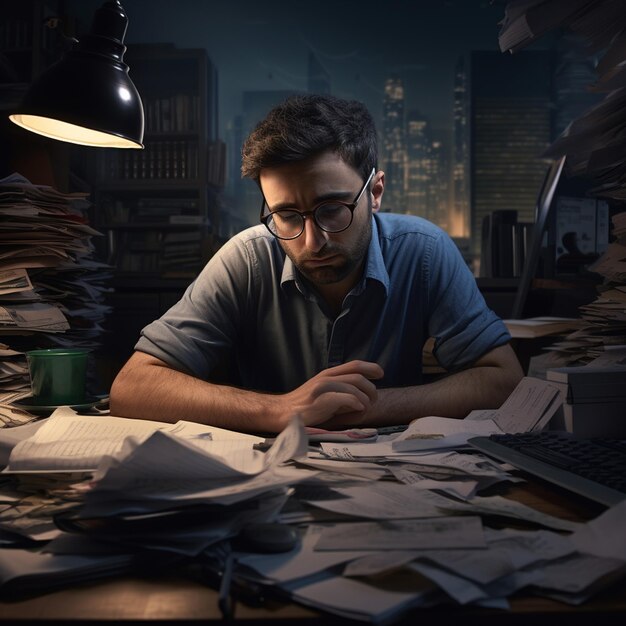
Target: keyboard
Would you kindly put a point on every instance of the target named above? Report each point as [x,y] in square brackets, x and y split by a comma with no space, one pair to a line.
[594,468]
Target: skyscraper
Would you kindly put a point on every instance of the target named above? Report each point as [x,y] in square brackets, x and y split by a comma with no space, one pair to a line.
[510,127]
[394,144]
[459,221]
[417,165]
[437,184]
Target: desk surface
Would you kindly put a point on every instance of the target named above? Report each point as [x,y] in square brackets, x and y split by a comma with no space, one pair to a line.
[178,597]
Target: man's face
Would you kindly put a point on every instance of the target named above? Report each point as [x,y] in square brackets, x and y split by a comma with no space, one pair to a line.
[323,258]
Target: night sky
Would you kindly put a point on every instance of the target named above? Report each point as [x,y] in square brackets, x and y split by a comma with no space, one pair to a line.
[264,45]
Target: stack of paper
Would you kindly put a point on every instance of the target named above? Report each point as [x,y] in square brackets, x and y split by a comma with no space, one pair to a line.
[51,290]
[526,20]
[14,377]
[594,142]
[178,487]
[602,339]
[540,326]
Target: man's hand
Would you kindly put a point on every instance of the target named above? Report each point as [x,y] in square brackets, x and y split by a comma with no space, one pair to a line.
[346,388]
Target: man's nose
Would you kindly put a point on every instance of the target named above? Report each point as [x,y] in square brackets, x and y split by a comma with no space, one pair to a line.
[314,237]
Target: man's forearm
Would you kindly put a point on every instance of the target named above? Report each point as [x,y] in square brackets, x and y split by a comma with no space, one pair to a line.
[453,396]
[146,390]
[337,397]
[486,385]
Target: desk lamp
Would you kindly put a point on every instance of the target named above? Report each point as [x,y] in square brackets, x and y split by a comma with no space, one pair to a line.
[87,97]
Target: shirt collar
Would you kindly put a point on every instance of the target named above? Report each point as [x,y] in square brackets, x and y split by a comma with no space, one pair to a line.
[374,267]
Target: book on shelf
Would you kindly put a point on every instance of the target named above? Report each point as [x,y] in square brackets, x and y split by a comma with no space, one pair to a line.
[189,220]
[177,114]
[521,245]
[505,242]
[184,236]
[144,262]
[166,160]
[168,211]
[167,203]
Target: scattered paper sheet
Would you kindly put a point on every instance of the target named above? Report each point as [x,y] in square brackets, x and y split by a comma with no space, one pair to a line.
[577,573]
[604,536]
[356,599]
[382,501]
[497,505]
[380,563]
[299,564]
[14,281]
[438,533]
[68,441]
[530,407]
[433,433]
[23,571]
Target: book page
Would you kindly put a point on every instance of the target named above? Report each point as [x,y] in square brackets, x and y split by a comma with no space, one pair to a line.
[68,441]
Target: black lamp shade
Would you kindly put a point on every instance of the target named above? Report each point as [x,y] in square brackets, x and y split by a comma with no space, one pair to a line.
[88,97]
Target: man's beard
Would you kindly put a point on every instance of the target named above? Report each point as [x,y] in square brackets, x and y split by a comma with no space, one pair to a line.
[350,259]
[328,274]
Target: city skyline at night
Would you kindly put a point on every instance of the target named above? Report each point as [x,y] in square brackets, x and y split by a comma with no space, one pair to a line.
[410,65]
[359,44]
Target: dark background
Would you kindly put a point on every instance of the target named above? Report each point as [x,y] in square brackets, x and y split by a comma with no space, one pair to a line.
[264,45]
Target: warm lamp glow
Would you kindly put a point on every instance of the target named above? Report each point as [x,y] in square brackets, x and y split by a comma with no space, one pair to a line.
[72,133]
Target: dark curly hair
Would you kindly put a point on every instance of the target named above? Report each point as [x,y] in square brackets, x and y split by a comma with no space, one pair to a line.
[305,125]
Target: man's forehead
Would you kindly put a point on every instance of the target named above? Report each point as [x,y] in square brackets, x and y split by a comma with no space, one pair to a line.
[325,171]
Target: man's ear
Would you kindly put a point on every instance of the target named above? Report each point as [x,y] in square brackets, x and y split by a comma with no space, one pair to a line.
[377,188]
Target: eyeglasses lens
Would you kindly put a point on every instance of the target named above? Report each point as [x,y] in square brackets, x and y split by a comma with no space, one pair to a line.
[331,218]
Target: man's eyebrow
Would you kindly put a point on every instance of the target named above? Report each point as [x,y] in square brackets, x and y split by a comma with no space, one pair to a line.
[331,195]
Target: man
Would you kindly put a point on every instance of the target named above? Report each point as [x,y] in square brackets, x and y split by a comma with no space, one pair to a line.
[322,310]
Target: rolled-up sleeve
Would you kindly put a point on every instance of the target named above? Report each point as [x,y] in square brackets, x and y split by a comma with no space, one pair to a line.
[199,333]
[463,327]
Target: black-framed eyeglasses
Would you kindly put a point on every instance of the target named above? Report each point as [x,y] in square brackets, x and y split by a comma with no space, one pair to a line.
[331,216]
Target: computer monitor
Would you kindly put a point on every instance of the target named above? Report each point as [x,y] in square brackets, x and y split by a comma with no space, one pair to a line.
[542,212]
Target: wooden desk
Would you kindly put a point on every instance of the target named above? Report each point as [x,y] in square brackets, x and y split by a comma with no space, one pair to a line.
[179,597]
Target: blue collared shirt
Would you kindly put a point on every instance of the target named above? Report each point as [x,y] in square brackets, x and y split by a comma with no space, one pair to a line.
[250,320]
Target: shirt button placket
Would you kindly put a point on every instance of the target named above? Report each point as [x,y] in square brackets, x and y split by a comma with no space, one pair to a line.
[336,346]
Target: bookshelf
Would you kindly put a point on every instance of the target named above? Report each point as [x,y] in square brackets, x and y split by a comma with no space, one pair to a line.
[28,47]
[159,207]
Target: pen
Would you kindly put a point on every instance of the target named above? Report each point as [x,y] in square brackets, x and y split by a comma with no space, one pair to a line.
[264,446]
[224,600]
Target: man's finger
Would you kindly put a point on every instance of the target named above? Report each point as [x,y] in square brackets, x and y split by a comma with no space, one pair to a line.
[365,368]
[330,404]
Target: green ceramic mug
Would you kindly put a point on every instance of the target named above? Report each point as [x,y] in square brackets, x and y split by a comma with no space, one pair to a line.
[58,375]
